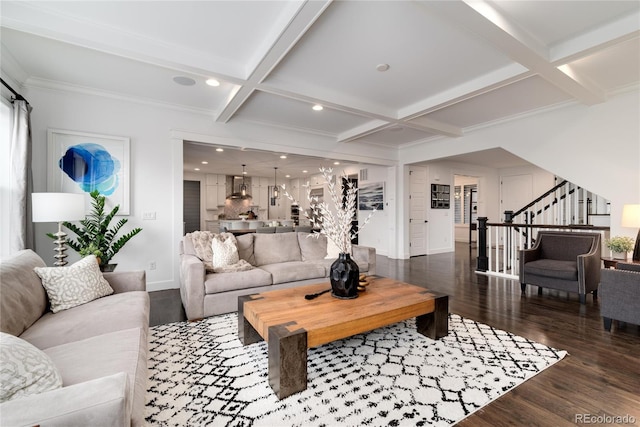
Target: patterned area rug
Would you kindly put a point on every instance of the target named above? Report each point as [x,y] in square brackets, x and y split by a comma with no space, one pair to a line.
[200,374]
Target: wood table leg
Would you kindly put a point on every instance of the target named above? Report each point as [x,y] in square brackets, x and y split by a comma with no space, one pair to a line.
[435,325]
[246,332]
[287,360]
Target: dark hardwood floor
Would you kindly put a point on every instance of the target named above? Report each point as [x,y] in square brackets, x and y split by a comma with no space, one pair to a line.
[600,377]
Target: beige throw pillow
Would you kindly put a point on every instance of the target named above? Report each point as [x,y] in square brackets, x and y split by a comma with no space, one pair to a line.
[77,284]
[225,251]
[24,369]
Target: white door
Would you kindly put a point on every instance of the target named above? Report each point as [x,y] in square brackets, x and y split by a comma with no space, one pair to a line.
[417,212]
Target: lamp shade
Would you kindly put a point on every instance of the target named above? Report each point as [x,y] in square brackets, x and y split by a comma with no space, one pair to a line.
[631,216]
[57,207]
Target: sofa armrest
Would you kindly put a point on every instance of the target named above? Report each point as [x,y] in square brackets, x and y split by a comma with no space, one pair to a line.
[127,281]
[367,254]
[527,255]
[100,402]
[192,275]
[589,266]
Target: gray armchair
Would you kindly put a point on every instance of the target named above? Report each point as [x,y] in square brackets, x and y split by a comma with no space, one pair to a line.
[620,294]
[566,261]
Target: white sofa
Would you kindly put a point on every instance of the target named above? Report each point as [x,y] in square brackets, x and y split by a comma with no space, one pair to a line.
[281,260]
[99,349]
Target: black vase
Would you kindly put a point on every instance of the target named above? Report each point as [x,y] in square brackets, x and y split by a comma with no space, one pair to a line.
[344,277]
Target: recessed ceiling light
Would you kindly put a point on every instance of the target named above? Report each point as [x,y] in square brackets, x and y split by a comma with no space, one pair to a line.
[184,80]
[196,169]
[213,82]
[317,107]
[283,157]
[382,67]
[304,171]
[220,149]
[287,176]
[336,163]
[204,162]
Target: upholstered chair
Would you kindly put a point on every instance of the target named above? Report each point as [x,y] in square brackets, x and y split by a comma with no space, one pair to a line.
[620,294]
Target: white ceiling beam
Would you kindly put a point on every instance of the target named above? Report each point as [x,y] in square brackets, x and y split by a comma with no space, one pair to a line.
[362,130]
[484,20]
[618,31]
[306,15]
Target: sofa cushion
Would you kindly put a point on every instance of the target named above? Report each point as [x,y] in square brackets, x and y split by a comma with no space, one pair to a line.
[312,246]
[223,282]
[116,312]
[245,248]
[564,270]
[272,248]
[292,271]
[24,300]
[104,355]
[24,369]
[80,283]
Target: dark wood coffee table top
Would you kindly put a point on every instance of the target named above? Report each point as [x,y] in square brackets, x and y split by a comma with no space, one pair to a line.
[327,319]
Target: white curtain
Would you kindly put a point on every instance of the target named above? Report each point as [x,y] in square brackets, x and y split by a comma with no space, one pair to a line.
[21,227]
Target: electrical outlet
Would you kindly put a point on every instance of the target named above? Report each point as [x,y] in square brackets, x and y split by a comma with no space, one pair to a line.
[148,215]
[152,265]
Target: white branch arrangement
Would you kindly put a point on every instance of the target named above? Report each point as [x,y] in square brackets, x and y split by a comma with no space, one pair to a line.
[336,225]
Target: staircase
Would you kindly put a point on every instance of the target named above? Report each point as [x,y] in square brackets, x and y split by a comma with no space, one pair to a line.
[566,207]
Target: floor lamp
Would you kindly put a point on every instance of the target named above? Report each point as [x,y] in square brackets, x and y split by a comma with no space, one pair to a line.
[58,207]
[631,219]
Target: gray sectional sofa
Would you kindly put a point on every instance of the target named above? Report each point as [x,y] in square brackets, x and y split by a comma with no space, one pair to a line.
[281,260]
[99,349]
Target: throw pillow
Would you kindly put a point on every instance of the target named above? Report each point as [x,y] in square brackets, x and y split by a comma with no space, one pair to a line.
[225,251]
[77,284]
[332,250]
[24,369]
[201,241]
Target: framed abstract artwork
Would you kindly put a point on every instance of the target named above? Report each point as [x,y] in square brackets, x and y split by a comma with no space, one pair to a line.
[81,162]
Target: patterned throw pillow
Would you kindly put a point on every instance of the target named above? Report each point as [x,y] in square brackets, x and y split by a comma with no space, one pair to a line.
[24,369]
[202,245]
[77,284]
[225,251]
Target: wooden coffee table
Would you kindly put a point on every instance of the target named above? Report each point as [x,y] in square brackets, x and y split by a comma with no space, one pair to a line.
[291,324]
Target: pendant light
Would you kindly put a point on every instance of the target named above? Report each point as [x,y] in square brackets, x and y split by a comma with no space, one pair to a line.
[243,187]
[276,193]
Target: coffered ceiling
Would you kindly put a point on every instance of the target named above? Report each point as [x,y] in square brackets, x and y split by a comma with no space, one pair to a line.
[453,66]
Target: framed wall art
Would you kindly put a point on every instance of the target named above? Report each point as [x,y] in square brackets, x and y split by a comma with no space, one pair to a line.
[81,162]
[371,196]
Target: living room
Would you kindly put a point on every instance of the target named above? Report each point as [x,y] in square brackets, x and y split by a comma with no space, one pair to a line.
[94,74]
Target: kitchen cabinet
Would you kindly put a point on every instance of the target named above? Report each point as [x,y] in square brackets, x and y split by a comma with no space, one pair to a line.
[260,192]
[216,191]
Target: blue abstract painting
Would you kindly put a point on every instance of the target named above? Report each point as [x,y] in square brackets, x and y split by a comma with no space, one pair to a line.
[92,167]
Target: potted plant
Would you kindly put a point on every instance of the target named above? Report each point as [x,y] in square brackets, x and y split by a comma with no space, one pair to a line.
[336,225]
[94,235]
[620,246]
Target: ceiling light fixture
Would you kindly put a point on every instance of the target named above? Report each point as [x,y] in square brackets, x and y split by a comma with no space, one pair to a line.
[287,176]
[382,67]
[276,193]
[243,187]
[317,107]
[219,150]
[184,80]
[304,171]
[283,157]
[213,82]
[336,163]
[204,162]
[196,169]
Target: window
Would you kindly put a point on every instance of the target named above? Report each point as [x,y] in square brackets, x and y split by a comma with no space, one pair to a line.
[465,203]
